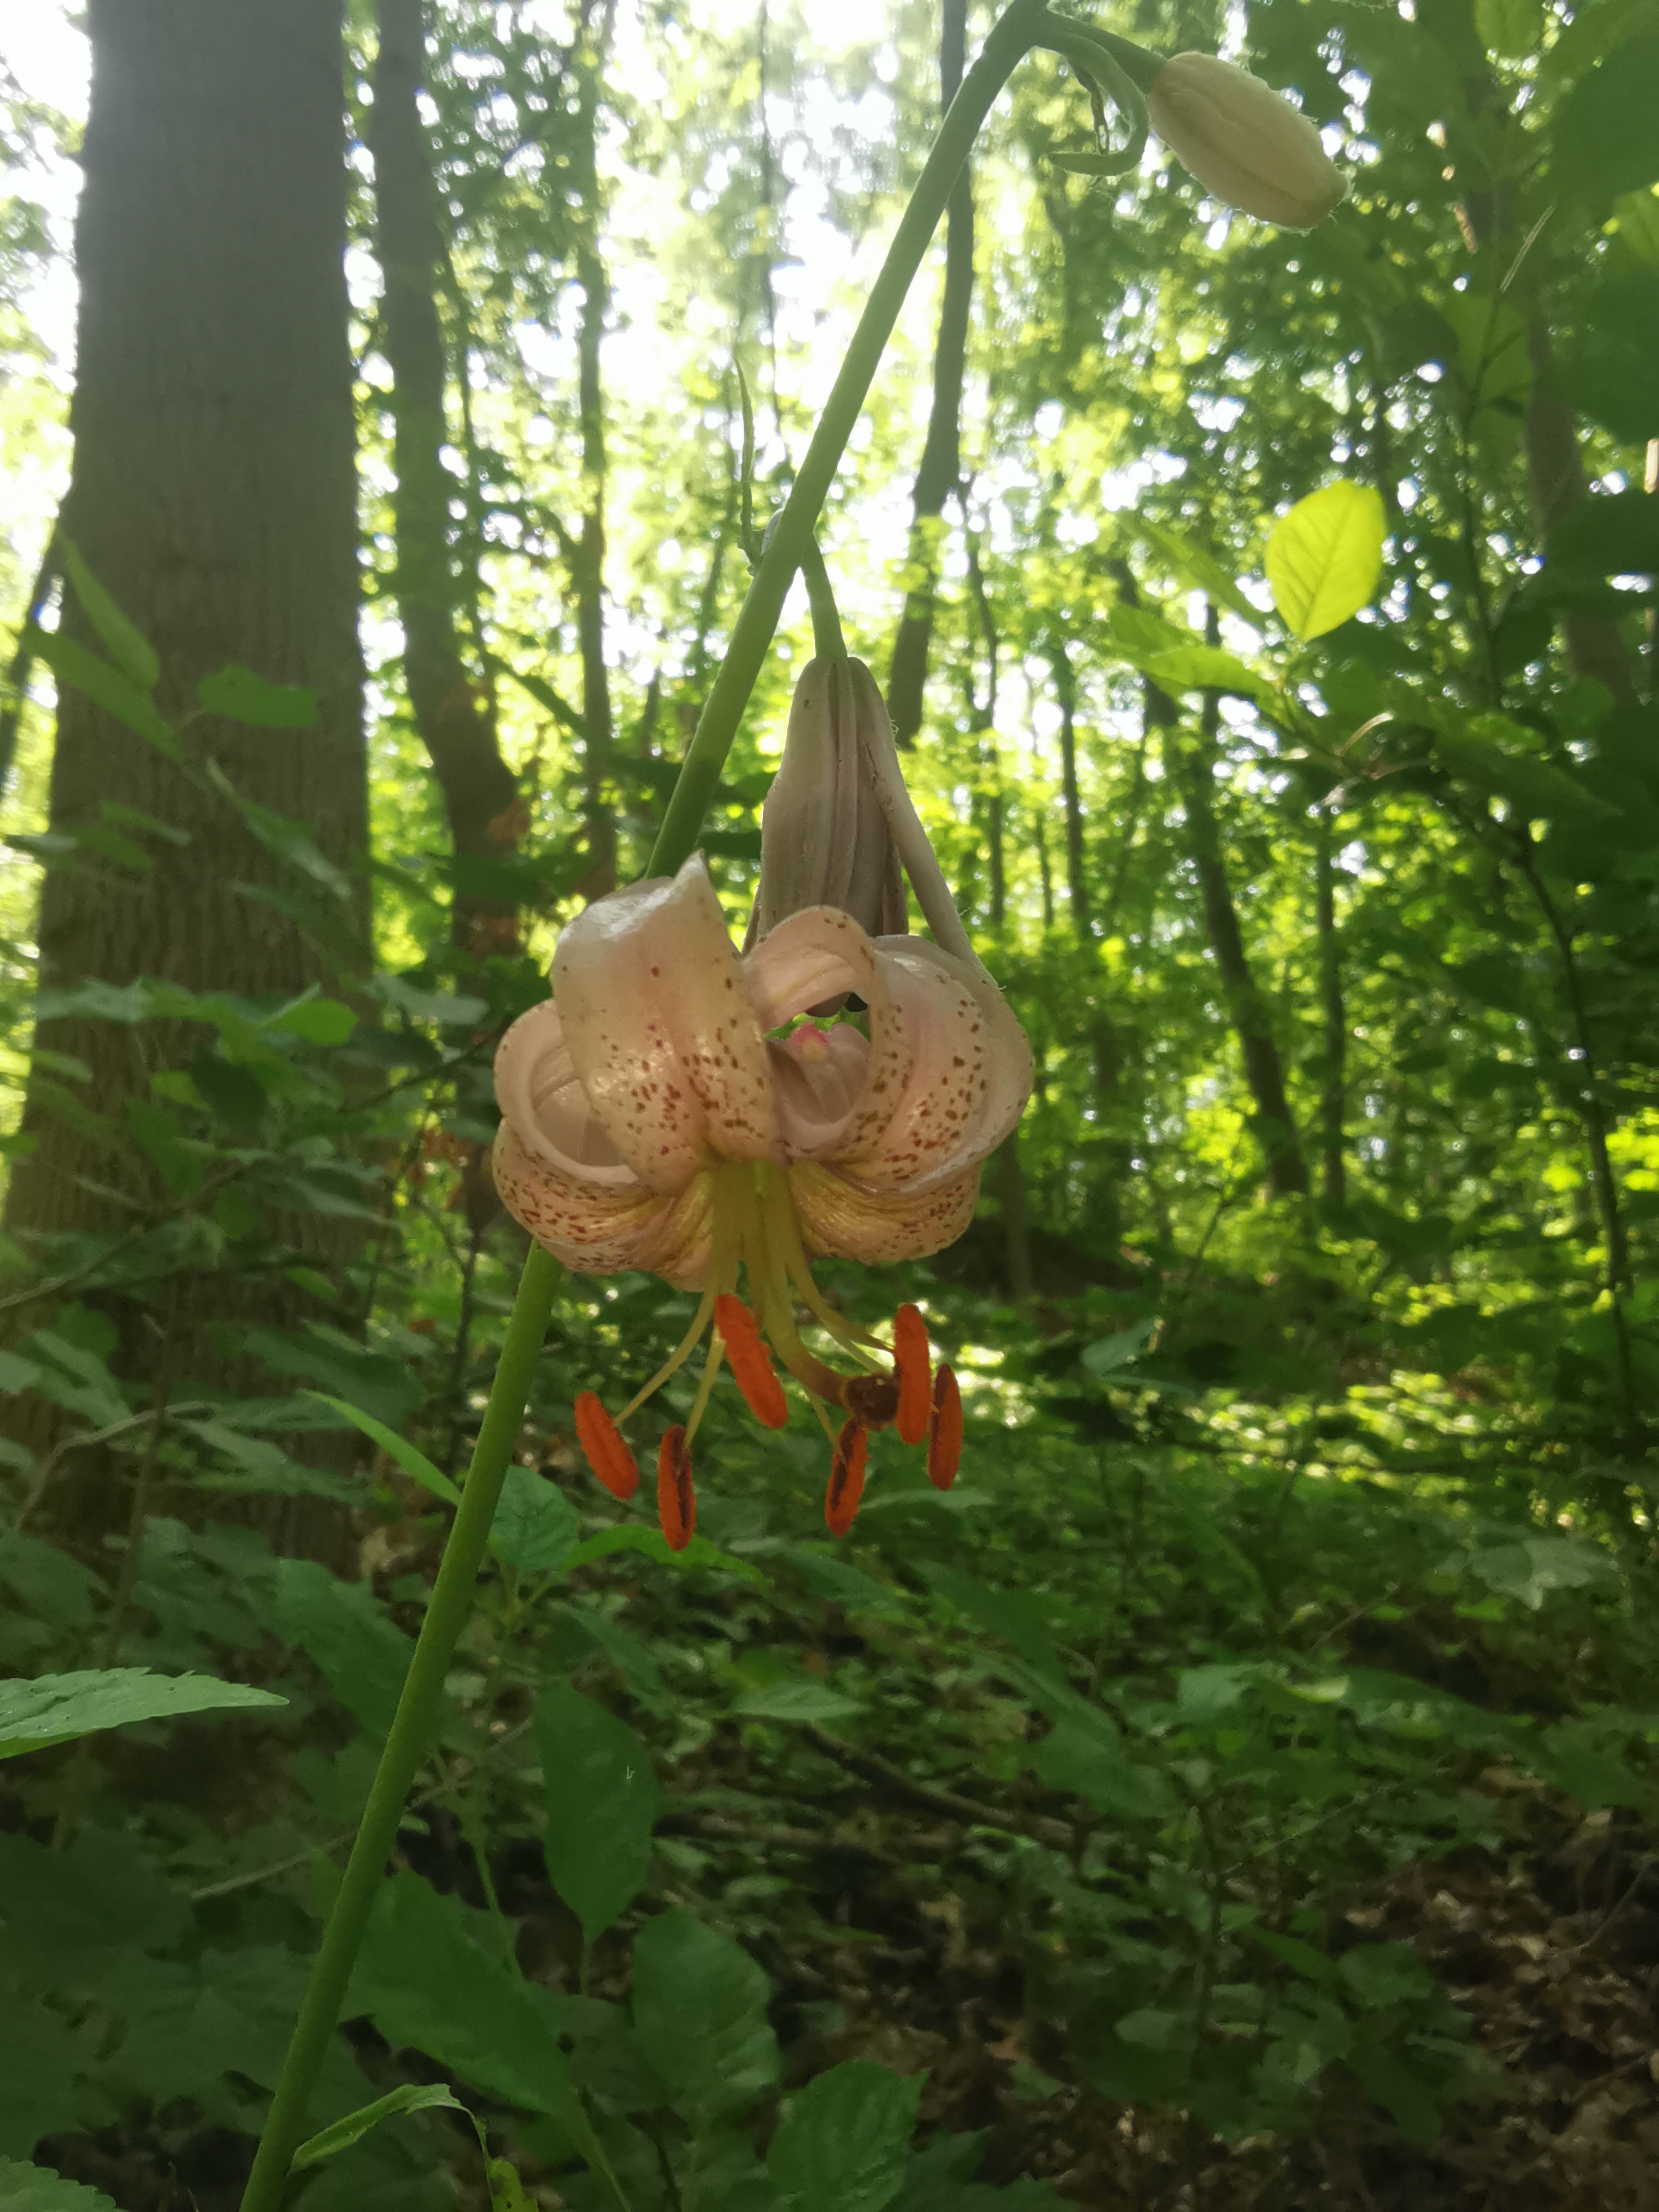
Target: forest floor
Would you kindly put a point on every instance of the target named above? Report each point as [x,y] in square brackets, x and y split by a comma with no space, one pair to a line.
[1554,1954]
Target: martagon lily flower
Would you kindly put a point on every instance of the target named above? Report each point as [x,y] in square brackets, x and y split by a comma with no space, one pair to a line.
[673,1107]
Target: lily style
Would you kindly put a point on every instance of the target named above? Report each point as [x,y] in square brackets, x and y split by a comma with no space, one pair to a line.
[675,1107]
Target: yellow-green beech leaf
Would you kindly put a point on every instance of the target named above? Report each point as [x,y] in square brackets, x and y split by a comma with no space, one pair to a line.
[1324,557]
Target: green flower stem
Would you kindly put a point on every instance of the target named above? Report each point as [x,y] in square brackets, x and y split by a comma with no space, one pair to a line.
[1062,33]
[410,1738]
[828,643]
[1015,33]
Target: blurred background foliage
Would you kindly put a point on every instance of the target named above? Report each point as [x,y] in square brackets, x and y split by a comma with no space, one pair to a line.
[1239,1788]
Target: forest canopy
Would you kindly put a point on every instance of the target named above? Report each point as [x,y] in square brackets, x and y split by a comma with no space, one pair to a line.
[993,1546]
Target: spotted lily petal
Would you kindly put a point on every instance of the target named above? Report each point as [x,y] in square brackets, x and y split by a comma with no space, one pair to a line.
[660,1031]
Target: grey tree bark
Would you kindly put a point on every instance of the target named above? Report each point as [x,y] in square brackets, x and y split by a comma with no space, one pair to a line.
[214,495]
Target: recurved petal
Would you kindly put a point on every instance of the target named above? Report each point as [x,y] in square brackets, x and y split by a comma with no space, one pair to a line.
[839,1215]
[968,1073]
[660,1031]
[549,1111]
[812,956]
[599,1231]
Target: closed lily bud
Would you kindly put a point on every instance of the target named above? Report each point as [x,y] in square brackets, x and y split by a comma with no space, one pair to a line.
[824,835]
[1244,144]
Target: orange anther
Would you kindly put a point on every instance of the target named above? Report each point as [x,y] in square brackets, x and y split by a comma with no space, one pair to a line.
[910,1362]
[840,1500]
[749,1362]
[603,1448]
[676,1502]
[944,1431]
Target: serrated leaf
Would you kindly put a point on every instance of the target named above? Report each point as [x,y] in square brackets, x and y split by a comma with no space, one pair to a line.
[241,696]
[1325,556]
[131,650]
[536,1526]
[36,2189]
[700,2010]
[53,1708]
[602,1803]
[844,2142]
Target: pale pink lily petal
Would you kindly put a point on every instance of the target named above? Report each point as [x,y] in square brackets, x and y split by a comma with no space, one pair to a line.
[812,956]
[598,1230]
[660,1029]
[819,1075]
[541,1096]
[838,1215]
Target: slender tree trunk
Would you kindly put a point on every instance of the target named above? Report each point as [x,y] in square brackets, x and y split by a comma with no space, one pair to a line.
[940,469]
[1016,1236]
[215,497]
[1193,757]
[1333,1094]
[593,45]
[1077,872]
[454,714]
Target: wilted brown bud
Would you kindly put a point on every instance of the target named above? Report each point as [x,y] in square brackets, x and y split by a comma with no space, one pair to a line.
[825,835]
[1244,144]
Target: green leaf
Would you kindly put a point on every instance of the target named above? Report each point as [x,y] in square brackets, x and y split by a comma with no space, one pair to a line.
[343,1628]
[1194,566]
[1383,1974]
[319,1021]
[412,2097]
[1605,143]
[241,696]
[1097,1770]
[844,2142]
[34,2189]
[180,1161]
[55,1707]
[536,1526]
[1325,556]
[424,1979]
[1106,1355]
[1608,534]
[1207,668]
[602,1803]
[131,650]
[1509,29]
[803,1700]
[699,2007]
[107,687]
[634,1536]
[414,1462]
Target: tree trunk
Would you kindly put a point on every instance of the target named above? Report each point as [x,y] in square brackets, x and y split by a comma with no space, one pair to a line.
[588,564]
[454,714]
[1333,1094]
[1193,758]
[1077,874]
[940,468]
[215,497]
